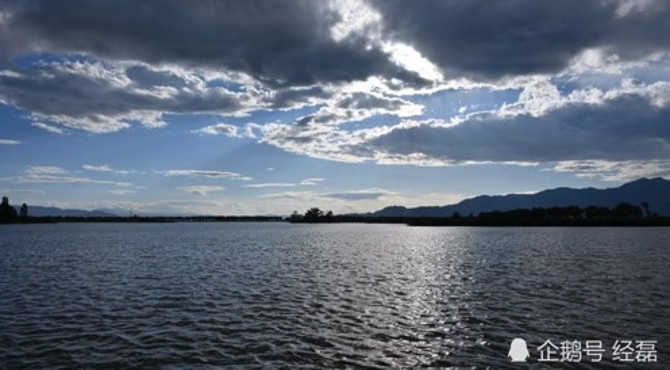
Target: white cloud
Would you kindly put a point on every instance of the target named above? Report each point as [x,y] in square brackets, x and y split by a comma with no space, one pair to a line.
[107,97]
[406,56]
[212,174]
[22,191]
[49,128]
[269,185]
[617,171]
[100,168]
[218,129]
[543,125]
[122,192]
[311,181]
[627,7]
[291,195]
[356,19]
[201,190]
[104,168]
[538,97]
[9,142]
[350,195]
[52,174]
[248,131]
[353,106]
[45,170]
[350,201]
[356,195]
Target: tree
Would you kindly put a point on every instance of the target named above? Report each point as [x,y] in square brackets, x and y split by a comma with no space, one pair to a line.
[313,214]
[23,213]
[295,216]
[7,212]
[627,211]
[597,213]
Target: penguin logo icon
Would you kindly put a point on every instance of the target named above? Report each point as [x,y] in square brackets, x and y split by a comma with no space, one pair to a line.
[518,350]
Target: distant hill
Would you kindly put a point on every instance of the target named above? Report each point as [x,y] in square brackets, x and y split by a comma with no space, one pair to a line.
[38,211]
[654,191]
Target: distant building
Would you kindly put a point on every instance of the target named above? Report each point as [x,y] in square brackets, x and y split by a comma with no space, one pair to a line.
[23,213]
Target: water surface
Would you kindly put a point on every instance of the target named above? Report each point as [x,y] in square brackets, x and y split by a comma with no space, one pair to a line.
[275,295]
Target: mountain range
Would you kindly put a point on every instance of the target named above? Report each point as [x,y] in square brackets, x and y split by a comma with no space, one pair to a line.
[655,191]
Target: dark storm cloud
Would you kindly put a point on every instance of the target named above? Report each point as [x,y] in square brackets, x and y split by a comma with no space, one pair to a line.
[621,129]
[486,39]
[289,42]
[284,42]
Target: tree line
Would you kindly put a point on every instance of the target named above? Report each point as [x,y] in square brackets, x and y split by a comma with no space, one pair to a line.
[623,214]
[9,215]
[313,215]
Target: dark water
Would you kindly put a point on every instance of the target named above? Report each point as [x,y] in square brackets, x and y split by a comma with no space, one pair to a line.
[323,296]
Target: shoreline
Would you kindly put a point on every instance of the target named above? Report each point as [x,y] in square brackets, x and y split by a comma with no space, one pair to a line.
[409,221]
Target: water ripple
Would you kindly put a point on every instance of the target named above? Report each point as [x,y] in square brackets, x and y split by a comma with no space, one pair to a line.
[320,296]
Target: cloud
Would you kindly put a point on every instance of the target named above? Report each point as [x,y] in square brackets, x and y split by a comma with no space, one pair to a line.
[107,97]
[201,190]
[356,74]
[218,129]
[357,106]
[265,204]
[100,168]
[352,195]
[372,194]
[356,195]
[305,182]
[491,40]
[122,192]
[626,127]
[103,97]
[269,185]
[618,171]
[311,181]
[45,170]
[104,168]
[22,191]
[232,35]
[49,128]
[290,195]
[52,174]
[9,142]
[628,122]
[297,97]
[211,174]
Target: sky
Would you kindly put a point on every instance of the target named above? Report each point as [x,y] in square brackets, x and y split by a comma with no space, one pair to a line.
[265,107]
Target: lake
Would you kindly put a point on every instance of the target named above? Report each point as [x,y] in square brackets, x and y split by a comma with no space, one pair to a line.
[277,295]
